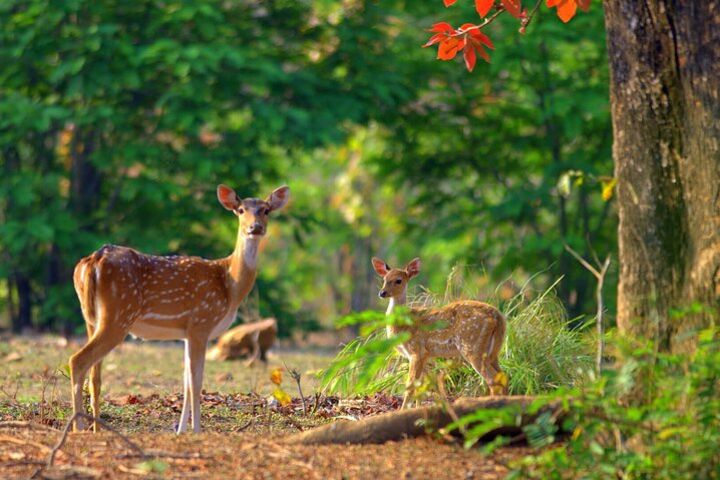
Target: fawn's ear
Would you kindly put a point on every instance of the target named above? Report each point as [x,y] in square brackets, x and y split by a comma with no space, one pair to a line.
[413,268]
[227,197]
[279,197]
[380,266]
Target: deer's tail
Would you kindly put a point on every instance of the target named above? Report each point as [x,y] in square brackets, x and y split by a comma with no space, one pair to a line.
[85,280]
[498,337]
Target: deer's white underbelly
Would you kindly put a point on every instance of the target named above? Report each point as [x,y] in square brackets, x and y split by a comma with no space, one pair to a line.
[147,331]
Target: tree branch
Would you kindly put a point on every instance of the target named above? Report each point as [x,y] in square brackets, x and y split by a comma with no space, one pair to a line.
[487,22]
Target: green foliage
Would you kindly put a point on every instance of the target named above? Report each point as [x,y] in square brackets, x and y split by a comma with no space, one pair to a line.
[652,416]
[117,120]
[369,363]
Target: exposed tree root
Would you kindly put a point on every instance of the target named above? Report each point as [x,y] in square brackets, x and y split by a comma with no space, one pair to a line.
[417,421]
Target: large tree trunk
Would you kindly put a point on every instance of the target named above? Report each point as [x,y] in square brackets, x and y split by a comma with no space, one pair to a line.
[665,99]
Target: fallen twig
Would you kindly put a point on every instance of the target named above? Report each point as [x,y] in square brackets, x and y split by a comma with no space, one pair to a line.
[243,427]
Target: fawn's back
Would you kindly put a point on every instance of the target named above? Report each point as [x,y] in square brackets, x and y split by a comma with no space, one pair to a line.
[454,328]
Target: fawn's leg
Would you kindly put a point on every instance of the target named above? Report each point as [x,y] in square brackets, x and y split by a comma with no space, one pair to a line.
[478,360]
[415,370]
[102,342]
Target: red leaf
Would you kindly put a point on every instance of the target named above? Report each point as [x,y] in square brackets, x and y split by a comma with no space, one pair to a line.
[478,46]
[566,9]
[481,51]
[441,27]
[482,38]
[449,48]
[513,7]
[470,58]
[483,6]
[435,39]
[449,2]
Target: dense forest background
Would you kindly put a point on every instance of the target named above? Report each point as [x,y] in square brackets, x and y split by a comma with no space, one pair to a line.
[118,120]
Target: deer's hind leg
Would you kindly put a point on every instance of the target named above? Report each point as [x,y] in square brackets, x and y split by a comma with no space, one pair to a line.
[476,352]
[95,382]
[104,339]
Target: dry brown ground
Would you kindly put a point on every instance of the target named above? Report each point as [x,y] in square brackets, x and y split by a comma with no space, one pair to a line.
[243,436]
[241,455]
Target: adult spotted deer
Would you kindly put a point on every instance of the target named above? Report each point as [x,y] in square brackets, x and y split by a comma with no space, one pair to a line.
[124,291]
[469,329]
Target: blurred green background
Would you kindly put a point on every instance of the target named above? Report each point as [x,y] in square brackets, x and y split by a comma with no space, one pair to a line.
[118,120]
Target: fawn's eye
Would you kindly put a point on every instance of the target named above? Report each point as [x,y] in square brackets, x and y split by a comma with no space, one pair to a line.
[267,211]
[398,281]
[240,211]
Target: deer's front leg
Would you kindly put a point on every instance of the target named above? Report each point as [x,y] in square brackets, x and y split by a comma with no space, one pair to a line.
[185,415]
[197,345]
[415,370]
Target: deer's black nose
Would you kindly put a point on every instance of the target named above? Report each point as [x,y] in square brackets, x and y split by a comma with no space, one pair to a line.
[256,229]
[382,294]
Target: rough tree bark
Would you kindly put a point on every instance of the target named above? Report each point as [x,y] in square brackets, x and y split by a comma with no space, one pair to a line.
[665,100]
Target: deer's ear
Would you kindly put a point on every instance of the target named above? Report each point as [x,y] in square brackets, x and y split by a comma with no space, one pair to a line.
[380,266]
[279,197]
[227,197]
[413,268]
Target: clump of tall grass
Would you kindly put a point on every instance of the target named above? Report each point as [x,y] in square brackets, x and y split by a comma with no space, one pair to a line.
[540,352]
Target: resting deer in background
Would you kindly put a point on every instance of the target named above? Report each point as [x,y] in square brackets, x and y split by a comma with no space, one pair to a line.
[469,329]
[124,291]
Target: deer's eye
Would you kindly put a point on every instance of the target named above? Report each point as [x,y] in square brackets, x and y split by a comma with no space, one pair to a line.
[267,211]
[398,281]
[240,211]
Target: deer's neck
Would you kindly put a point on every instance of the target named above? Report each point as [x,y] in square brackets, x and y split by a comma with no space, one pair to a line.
[394,301]
[243,267]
